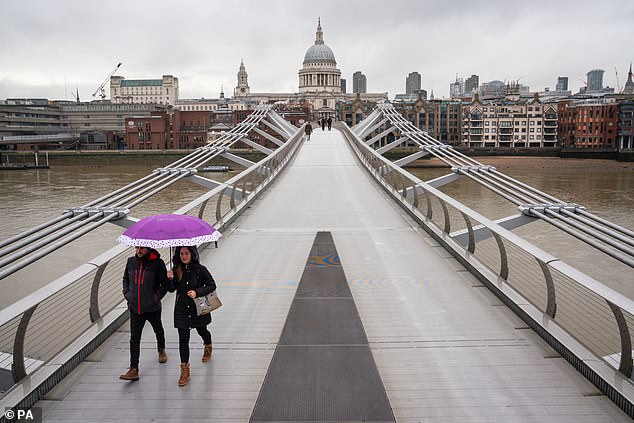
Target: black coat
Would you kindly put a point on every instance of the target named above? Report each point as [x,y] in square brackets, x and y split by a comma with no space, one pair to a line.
[145,282]
[198,278]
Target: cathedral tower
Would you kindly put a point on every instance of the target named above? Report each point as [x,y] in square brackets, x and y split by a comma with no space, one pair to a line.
[242,89]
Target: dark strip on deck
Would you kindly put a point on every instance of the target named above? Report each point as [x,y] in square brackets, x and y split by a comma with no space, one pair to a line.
[322,369]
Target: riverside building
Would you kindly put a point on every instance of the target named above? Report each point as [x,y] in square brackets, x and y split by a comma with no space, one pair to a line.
[509,123]
[144,91]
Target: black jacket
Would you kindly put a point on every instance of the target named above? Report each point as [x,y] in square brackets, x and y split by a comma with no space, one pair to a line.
[145,282]
[198,278]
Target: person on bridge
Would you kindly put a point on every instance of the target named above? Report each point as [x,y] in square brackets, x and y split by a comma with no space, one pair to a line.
[329,123]
[190,279]
[145,283]
[323,123]
[308,129]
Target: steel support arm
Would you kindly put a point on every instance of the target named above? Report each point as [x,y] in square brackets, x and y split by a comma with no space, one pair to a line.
[257,146]
[481,232]
[391,145]
[381,135]
[360,127]
[283,123]
[269,137]
[443,180]
[281,132]
[237,159]
[372,129]
[125,222]
[405,160]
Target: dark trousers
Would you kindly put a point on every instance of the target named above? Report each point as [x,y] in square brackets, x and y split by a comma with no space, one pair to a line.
[183,341]
[137,321]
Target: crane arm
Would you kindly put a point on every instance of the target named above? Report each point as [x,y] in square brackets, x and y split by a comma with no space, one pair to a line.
[105,81]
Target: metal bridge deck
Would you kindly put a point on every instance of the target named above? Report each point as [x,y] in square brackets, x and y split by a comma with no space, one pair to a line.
[446,349]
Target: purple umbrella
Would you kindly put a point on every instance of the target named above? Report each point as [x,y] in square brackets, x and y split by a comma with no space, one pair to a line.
[169,230]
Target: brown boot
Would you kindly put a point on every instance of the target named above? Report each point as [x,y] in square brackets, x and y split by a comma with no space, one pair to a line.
[131,374]
[162,356]
[207,353]
[182,381]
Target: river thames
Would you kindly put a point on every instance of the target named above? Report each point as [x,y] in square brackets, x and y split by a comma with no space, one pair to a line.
[31,197]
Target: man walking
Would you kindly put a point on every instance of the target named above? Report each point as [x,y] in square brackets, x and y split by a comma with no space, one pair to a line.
[329,123]
[308,129]
[145,283]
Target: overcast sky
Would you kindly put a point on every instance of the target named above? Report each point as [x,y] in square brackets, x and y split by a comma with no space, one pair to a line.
[48,48]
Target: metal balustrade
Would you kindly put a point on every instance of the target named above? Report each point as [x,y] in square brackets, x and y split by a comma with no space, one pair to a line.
[46,334]
[27,247]
[588,323]
[613,240]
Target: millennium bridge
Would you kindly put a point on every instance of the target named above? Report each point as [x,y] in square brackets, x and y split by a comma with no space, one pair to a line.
[353,291]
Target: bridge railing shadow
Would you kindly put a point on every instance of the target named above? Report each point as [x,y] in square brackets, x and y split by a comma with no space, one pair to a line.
[48,333]
[588,323]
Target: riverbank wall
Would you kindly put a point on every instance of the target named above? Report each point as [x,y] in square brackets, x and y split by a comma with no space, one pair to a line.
[114,158]
[164,157]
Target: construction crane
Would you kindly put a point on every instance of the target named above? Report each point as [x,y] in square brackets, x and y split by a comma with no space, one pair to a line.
[103,84]
[618,86]
[76,96]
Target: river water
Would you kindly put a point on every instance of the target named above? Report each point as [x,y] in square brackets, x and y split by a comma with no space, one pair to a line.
[31,197]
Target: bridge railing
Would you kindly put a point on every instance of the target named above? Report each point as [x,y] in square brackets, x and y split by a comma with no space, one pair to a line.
[588,323]
[48,333]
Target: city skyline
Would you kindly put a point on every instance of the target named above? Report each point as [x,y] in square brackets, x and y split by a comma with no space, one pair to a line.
[69,44]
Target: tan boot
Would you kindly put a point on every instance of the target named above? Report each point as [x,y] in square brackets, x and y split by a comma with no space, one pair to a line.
[131,374]
[207,353]
[184,374]
[162,356]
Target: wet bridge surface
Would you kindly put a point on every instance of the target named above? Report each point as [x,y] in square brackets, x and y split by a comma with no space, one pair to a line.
[411,337]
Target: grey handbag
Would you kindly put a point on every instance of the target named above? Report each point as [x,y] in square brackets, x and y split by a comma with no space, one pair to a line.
[207,303]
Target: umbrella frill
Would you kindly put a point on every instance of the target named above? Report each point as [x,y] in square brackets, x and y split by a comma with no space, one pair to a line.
[169,230]
[164,243]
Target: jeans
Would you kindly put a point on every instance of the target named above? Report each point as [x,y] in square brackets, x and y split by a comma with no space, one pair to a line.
[137,321]
[183,341]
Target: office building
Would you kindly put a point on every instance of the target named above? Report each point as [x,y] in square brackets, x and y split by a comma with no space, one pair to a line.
[359,83]
[595,80]
[471,85]
[562,83]
[413,83]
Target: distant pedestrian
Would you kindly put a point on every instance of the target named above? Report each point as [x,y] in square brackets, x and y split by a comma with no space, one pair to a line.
[145,283]
[323,124]
[190,279]
[329,123]
[308,129]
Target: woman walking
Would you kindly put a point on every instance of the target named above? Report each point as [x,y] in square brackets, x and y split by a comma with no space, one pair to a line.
[190,279]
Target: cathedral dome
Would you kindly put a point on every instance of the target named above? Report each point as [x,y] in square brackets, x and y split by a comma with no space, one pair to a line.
[319,52]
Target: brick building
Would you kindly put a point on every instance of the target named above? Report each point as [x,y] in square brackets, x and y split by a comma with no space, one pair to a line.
[147,132]
[588,124]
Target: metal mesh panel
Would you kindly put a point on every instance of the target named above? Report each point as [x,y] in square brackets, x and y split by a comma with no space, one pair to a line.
[390,178]
[438,217]
[586,316]
[525,275]
[66,309]
[629,319]
[7,335]
[111,284]
[488,253]
[456,220]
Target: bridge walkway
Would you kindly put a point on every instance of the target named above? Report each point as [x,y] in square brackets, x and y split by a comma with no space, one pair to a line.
[446,349]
